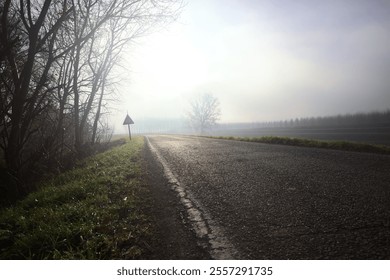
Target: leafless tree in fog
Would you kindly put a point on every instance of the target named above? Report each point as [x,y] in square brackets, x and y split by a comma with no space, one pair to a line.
[204,112]
[56,57]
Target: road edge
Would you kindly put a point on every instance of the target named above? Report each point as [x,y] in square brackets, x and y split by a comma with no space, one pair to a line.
[210,235]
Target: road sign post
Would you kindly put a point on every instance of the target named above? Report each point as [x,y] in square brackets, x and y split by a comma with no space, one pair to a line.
[128,121]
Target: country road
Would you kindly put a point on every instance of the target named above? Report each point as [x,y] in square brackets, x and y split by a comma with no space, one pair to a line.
[260,201]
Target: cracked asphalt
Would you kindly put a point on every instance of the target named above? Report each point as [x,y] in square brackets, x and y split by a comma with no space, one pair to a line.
[283,202]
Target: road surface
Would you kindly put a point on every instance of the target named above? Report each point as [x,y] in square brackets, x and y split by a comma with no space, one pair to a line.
[261,201]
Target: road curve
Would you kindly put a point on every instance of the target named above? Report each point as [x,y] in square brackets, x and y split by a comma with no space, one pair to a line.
[283,202]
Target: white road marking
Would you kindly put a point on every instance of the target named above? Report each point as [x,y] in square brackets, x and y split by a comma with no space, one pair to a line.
[209,234]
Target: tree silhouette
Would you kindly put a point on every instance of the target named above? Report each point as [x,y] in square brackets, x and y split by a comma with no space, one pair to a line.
[56,62]
[204,113]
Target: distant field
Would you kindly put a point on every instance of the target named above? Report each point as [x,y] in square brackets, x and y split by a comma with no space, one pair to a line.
[302,142]
[378,135]
[370,135]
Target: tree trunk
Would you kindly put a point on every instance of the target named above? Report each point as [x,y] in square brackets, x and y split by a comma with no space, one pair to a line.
[97,116]
[77,129]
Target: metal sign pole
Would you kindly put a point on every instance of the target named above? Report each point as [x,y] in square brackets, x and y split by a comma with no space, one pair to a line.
[128,121]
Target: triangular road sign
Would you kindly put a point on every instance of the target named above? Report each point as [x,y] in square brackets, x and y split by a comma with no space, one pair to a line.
[128,120]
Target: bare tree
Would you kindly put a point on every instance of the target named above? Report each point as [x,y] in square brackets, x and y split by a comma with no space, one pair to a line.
[101,30]
[29,66]
[204,112]
[55,60]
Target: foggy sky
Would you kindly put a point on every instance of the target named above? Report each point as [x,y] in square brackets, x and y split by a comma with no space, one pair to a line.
[264,60]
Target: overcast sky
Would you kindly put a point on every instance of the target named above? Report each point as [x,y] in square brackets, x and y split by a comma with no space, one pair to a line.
[264,60]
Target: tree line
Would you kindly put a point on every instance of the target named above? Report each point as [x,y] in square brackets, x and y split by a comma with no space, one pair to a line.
[357,119]
[57,59]
[378,118]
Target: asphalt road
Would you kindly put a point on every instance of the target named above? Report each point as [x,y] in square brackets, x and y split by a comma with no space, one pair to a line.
[282,202]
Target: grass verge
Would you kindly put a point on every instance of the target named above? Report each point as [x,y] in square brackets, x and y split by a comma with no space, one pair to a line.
[90,212]
[336,145]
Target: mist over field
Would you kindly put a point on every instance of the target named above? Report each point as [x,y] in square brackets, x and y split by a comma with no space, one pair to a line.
[263,60]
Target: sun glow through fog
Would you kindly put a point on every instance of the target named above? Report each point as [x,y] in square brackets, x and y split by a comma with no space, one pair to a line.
[263,61]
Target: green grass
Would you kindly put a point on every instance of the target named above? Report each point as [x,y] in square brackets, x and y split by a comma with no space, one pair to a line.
[336,145]
[90,212]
